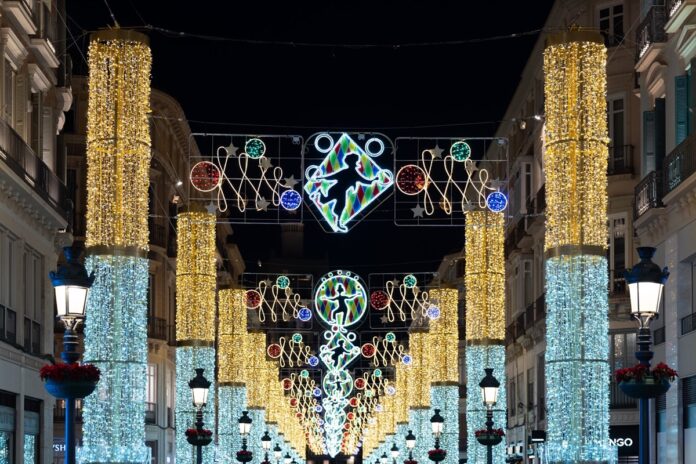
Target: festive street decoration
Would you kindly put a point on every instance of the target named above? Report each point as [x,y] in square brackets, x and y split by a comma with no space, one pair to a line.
[276,301]
[347,181]
[118,163]
[577,350]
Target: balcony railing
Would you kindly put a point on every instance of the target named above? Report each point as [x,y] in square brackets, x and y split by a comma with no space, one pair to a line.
[618,399]
[673,6]
[22,160]
[688,323]
[617,282]
[158,234]
[620,160]
[679,164]
[659,336]
[651,29]
[150,413]
[157,328]
[529,318]
[648,193]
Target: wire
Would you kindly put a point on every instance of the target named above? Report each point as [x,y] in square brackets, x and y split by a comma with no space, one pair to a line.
[113,18]
[190,35]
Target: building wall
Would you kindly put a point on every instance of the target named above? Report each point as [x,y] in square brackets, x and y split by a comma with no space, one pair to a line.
[34,211]
[665,217]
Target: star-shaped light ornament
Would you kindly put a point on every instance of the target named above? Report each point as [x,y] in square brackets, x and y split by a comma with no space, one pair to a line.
[290,182]
[436,152]
[231,150]
[211,208]
[265,163]
[418,211]
[384,319]
[262,204]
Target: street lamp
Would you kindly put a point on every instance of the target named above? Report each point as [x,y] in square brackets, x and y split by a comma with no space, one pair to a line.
[287,459]
[489,392]
[244,430]
[394,451]
[410,444]
[437,423]
[266,445]
[383,459]
[199,386]
[277,453]
[646,283]
[71,284]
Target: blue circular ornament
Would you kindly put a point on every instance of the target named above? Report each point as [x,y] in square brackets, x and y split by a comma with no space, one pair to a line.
[407,359]
[390,390]
[290,200]
[433,312]
[318,408]
[313,361]
[304,314]
[496,201]
[317,392]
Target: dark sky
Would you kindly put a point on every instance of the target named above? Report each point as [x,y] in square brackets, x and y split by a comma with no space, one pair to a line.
[335,87]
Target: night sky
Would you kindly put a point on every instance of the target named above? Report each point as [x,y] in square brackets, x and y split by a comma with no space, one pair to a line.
[322,87]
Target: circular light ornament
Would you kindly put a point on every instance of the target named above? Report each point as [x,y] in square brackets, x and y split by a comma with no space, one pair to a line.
[317,392]
[379,408]
[205,176]
[253,299]
[369,147]
[304,373]
[297,338]
[411,180]
[318,408]
[377,373]
[390,337]
[255,148]
[287,384]
[368,350]
[496,201]
[410,281]
[350,416]
[460,151]
[433,312]
[360,383]
[283,282]
[407,359]
[274,351]
[353,402]
[379,300]
[290,200]
[313,361]
[304,314]
[390,390]
[340,299]
[293,402]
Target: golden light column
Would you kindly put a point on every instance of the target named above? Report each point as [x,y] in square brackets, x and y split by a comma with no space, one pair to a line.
[118,162]
[577,350]
[196,277]
[485,321]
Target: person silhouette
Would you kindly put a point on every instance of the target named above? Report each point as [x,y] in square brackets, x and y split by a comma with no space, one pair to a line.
[338,192]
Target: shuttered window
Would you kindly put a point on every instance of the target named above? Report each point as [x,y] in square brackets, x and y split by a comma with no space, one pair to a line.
[681,108]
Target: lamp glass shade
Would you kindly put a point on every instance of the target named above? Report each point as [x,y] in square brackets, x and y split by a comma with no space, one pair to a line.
[410,440]
[489,395]
[287,459]
[645,297]
[277,454]
[244,424]
[394,451]
[200,396]
[71,300]
[266,441]
[383,459]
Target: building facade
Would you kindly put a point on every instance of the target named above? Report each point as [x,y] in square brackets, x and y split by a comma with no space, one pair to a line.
[523,127]
[34,214]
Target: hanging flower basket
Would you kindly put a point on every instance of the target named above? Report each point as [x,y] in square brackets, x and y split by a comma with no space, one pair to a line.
[641,382]
[197,437]
[437,455]
[70,380]
[410,461]
[244,456]
[489,438]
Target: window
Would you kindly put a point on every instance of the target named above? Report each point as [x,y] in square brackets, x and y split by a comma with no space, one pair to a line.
[520,386]
[530,389]
[513,399]
[541,387]
[153,450]
[689,401]
[623,349]
[611,24]
[33,299]
[151,400]
[618,156]
[151,295]
[528,283]
[616,253]
[527,184]
[9,82]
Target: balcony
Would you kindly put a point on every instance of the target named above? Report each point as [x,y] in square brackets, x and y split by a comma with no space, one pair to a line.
[688,324]
[678,11]
[651,31]
[20,158]
[157,328]
[150,413]
[21,12]
[659,336]
[617,283]
[618,399]
[680,164]
[648,194]
[45,38]
[620,160]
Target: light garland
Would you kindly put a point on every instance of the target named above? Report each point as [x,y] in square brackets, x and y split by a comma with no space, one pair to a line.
[418,390]
[401,299]
[232,350]
[118,139]
[443,337]
[231,403]
[116,342]
[275,301]
[195,277]
[577,350]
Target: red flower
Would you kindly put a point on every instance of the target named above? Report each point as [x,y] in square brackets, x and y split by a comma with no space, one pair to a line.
[243,453]
[663,371]
[639,372]
[436,452]
[63,372]
[200,433]
[498,432]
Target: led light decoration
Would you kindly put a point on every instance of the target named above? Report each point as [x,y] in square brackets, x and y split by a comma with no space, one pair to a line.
[340,300]
[401,300]
[496,201]
[292,352]
[338,207]
[304,314]
[577,350]
[118,163]
[253,175]
[443,331]
[276,300]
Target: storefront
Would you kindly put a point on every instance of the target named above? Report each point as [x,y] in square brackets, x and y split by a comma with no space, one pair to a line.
[625,438]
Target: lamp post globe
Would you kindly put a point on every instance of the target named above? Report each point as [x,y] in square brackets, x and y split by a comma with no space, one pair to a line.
[277,452]
[245,424]
[287,459]
[383,459]
[266,441]
[200,386]
[489,393]
[410,440]
[394,451]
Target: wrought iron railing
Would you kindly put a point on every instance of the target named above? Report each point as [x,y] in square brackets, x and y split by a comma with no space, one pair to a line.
[680,164]
[659,336]
[620,160]
[21,159]
[156,328]
[158,234]
[648,193]
[150,413]
[618,399]
[652,29]
[688,323]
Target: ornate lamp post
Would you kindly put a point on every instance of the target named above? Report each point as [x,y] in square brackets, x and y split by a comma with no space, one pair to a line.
[71,284]
[489,392]
[437,425]
[244,455]
[646,283]
[394,451]
[287,459]
[266,444]
[200,386]
[277,453]
[410,444]
[383,459]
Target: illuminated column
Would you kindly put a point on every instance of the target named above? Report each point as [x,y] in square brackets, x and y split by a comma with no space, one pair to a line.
[485,324]
[444,390]
[577,344]
[118,163]
[195,322]
[232,353]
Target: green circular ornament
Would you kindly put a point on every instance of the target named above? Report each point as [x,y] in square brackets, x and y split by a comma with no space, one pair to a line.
[297,338]
[410,281]
[255,148]
[377,373]
[304,373]
[390,337]
[460,151]
[283,282]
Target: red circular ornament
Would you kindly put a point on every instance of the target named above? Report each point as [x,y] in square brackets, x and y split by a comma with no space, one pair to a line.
[205,176]
[293,402]
[287,384]
[360,383]
[253,299]
[379,299]
[273,350]
[350,416]
[410,179]
[354,402]
[298,415]
[346,426]
[368,350]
